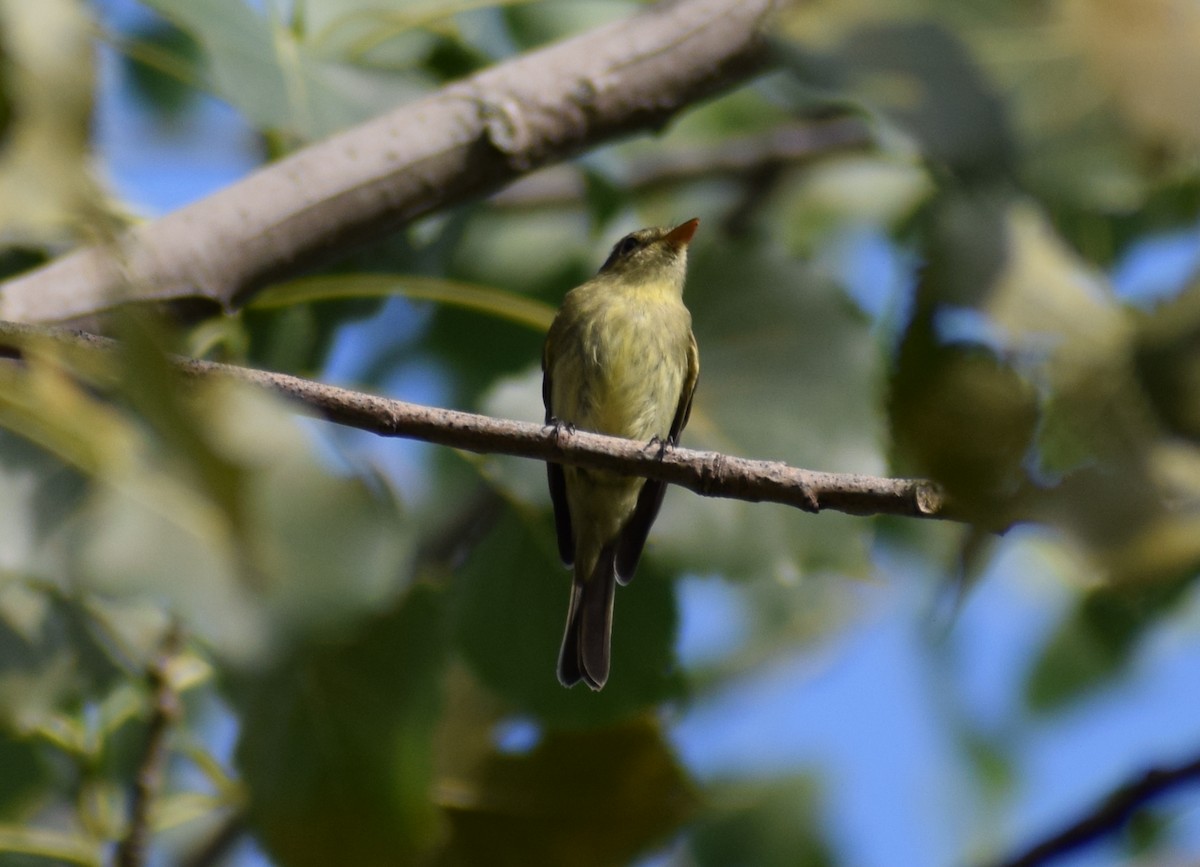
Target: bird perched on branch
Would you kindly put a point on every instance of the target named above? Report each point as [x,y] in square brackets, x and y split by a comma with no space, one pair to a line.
[620,359]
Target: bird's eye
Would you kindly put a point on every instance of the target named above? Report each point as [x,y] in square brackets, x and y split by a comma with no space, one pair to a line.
[628,245]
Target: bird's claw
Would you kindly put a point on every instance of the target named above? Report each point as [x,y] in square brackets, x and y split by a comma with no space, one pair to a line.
[559,427]
[659,444]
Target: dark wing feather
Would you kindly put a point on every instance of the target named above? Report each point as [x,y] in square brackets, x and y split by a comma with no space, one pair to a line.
[555,475]
[633,535]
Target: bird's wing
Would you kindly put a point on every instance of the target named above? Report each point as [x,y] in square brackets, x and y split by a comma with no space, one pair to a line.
[633,535]
[554,472]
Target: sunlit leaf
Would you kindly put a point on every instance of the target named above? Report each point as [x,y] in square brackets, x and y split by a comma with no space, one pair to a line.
[46,186]
[60,846]
[481,299]
[1143,51]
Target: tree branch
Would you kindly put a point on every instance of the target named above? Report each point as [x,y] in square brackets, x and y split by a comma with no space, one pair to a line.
[709,474]
[165,710]
[794,144]
[1109,815]
[465,141]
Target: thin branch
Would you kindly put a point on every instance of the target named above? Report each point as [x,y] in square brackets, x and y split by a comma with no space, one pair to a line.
[462,142]
[1109,815]
[710,474]
[148,780]
[794,144]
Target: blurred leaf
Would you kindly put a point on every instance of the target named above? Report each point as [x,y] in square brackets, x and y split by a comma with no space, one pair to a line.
[53,656]
[163,66]
[510,604]
[451,59]
[1148,830]
[56,846]
[47,191]
[1144,53]
[604,199]
[577,799]
[992,768]
[295,339]
[481,299]
[1167,359]
[215,503]
[767,825]
[156,392]
[534,24]
[966,421]
[315,550]
[934,87]
[788,371]
[22,776]
[40,495]
[274,78]
[336,742]
[400,33]
[1096,641]
[1046,334]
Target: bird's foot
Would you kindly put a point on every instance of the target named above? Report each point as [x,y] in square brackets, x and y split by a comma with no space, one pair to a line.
[559,427]
[662,446]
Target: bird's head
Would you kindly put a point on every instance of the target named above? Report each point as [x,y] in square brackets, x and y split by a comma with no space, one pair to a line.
[652,255]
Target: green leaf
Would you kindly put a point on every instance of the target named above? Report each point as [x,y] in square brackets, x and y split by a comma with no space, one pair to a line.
[336,745]
[1096,641]
[162,63]
[52,845]
[300,550]
[274,78]
[948,103]
[780,352]
[47,188]
[22,775]
[604,198]
[40,495]
[578,799]
[773,825]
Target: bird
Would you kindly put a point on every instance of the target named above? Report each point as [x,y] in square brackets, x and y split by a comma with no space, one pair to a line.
[619,359]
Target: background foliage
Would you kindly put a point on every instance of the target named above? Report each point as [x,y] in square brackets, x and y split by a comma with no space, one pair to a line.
[998,291]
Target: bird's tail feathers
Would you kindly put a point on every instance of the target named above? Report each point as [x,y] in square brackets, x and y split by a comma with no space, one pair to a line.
[587,641]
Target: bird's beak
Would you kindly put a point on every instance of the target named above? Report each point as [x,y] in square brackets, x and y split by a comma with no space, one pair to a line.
[681,235]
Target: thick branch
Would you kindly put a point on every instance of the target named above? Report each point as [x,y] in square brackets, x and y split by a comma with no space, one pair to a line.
[464,141]
[1109,815]
[710,474]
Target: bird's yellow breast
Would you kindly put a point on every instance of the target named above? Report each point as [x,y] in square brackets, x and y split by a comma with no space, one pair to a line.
[619,359]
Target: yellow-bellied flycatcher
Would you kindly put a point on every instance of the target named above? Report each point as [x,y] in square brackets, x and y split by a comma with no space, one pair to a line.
[620,359]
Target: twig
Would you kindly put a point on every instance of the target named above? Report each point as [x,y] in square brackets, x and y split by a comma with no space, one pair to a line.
[460,143]
[710,474]
[788,145]
[1113,812]
[132,850]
